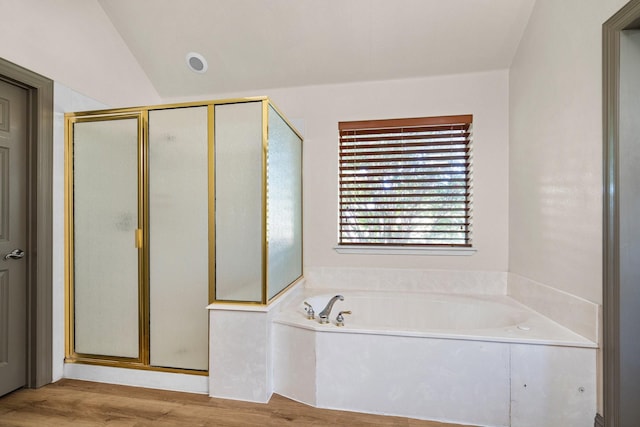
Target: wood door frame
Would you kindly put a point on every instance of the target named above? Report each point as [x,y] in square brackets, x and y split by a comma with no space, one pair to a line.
[40,220]
[627,18]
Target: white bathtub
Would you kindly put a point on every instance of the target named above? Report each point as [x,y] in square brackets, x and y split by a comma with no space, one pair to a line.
[469,317]
[480,360]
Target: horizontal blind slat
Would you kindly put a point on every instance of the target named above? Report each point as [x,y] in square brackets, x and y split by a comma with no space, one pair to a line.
[348,189]
[346,146]
[351,179]
[451,137]
[463,120]
[438,239]
[424,154]
[421,209]
[459,175]
[369,217]
[462,127]
[437,167]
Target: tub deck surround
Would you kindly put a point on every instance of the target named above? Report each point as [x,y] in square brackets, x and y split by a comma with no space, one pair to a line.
[483,360]
[494,318]
[577,314]
[240,348]
[240,355]
[444,346]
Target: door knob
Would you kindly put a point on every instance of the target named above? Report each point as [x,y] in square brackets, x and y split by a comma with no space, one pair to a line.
[14,254]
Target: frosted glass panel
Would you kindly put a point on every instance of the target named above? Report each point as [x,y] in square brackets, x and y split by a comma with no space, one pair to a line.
[178,238]
[105,196]
[238,181]
[284,204]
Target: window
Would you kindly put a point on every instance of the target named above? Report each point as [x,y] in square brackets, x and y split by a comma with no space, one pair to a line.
[406,182]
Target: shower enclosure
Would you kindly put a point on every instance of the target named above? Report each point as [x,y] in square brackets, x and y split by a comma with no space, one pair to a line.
[169,208]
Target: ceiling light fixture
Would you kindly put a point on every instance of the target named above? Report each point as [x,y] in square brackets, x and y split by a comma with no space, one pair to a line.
[196,62]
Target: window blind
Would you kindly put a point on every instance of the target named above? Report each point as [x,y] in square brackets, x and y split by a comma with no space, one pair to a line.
[406,182]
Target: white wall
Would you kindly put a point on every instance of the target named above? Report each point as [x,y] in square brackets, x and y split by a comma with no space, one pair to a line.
[74,43]
[320,108]
[555,143]
[555,162]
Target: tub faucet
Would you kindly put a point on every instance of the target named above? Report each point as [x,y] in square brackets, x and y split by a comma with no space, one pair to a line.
[324,314]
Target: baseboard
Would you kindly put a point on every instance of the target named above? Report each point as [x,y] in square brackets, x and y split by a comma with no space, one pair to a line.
[599,422]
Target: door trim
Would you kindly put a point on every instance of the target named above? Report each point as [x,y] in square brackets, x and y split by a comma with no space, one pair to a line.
[627,18]
[40,217]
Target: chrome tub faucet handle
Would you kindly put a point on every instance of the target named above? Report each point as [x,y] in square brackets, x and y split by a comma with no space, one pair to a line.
[309,309]
[340,317]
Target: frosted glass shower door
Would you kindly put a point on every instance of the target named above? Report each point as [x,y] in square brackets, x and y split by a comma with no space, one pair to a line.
[284,204]
[178,238]
[238,192]
[105,217]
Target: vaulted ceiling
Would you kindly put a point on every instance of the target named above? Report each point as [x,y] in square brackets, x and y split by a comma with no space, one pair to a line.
[262,44]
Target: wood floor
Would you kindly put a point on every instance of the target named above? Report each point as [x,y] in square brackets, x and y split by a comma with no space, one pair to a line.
[80,403]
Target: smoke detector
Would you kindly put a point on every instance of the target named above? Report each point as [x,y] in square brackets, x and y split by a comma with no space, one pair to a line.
[196,62]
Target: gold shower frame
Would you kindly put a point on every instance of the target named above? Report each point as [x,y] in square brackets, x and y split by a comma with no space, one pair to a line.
[142,232]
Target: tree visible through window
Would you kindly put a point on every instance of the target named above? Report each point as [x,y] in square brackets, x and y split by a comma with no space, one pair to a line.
[406,182]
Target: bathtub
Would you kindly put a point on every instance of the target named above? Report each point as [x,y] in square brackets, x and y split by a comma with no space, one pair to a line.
[467,359]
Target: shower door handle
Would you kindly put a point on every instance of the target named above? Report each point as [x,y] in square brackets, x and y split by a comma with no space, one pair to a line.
[14,254]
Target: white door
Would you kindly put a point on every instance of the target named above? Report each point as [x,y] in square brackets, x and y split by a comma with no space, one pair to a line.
[13,236]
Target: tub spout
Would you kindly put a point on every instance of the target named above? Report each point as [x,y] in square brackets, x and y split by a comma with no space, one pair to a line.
[324,314]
